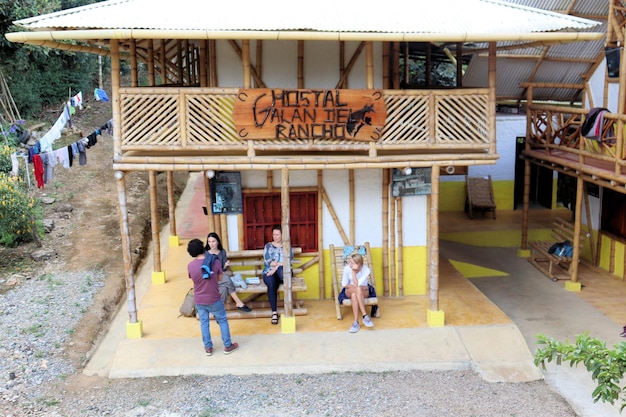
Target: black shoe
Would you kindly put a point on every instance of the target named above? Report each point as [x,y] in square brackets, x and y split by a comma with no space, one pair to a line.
[244,308]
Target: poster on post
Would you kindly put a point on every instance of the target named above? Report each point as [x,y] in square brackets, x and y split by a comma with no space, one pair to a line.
[413,181]
[226,193]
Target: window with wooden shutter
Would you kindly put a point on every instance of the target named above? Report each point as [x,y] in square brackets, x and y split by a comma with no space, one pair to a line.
[263,210]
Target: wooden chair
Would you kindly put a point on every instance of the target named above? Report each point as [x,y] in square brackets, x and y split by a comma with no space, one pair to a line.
[338,257]
[480,195]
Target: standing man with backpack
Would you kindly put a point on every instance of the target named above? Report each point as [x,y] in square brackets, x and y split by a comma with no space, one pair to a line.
[207,296]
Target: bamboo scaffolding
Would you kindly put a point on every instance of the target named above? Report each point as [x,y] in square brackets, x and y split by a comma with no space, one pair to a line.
[154,222]
[385,223]
[284,201]
[333,215]
[400,269]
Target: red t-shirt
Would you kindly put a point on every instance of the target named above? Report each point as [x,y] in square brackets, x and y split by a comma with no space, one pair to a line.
[205,291]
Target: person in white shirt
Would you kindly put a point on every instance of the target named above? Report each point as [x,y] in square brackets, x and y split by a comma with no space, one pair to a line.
[354,282]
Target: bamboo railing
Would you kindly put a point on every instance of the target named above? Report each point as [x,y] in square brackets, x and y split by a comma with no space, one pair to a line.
[185,120]
[556,131]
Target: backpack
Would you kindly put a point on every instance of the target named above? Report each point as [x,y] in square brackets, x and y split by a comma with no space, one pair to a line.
[207,265]
[188,308]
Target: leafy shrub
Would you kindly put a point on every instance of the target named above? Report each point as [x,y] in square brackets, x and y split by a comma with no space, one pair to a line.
[606,366]
[18,212]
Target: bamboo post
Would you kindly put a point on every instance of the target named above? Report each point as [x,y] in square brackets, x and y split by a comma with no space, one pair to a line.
[126,253]
[300,64]
[395,65]
[115,99]
[352,207]
[162,62]
[386,65]
[224,230]
[390,289]
[342,64]
[385,210]
[369,64]
[576,255]
[181,74]
[154,221]
[621,103]
[241,242]
[433,238]
[245,57]
[400,270]
[134,77]
[526,205]
[171,202]
[207,202]
[151,77]
[320,234]
[492,97]
[259,60]
[592,246]
[284,197]
[213,63]
[333,214]
[203,64]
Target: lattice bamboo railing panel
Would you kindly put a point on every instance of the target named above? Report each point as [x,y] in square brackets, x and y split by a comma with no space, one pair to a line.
[150,120]
[461,119]
[172,118]
[407,120]
[210,120]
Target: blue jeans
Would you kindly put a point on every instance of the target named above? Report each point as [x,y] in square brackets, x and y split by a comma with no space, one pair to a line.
[273,282]
[219,312]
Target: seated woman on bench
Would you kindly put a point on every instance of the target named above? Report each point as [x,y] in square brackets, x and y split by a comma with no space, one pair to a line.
[226,286]
[273,269]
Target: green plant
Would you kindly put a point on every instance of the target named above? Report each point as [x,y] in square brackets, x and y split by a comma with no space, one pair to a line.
[607,366]
[18,212]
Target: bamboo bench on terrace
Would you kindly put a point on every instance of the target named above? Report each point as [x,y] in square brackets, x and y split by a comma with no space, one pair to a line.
[250,263]
[480,195]
[553,266]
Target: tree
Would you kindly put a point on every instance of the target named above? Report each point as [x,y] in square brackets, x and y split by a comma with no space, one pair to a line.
[607,366]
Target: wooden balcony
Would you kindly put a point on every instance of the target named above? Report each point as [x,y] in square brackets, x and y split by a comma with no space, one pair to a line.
[555,138]
[165,128]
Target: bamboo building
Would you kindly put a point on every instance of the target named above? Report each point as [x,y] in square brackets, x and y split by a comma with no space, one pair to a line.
[312,115]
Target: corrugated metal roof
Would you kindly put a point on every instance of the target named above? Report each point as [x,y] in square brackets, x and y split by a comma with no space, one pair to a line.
[419,16]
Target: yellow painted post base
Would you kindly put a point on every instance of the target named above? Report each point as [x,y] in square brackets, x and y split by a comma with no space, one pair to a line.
[287,324]
[435,318]
[573,286]
[174,241]
[158,277]
[523,253]
[134,330]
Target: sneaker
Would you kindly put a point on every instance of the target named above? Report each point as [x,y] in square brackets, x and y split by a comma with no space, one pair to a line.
[209,351]
[230,349]
[355,327]
[367,321]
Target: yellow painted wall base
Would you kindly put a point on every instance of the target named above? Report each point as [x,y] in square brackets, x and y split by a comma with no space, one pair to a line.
[287,324]
[573,286]
[134,330]
[523,253]
[174,241]
[158,277]
[435,318]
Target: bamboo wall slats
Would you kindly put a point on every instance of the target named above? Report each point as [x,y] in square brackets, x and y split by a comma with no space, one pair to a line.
[182,119]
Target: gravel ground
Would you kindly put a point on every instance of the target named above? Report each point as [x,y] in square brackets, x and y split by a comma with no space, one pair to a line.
[39,315]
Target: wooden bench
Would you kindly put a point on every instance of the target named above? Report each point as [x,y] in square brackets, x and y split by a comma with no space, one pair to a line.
[553,266]
[250,264]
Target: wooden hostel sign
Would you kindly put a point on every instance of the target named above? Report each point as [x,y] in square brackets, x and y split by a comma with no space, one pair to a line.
[309,114]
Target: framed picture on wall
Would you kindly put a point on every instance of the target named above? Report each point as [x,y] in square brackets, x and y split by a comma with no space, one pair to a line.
[226,193]
[411,181]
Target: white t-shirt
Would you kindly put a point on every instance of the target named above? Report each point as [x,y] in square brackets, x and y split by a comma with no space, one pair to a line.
[361,276]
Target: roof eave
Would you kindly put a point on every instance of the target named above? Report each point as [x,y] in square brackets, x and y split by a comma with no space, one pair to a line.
[38,37]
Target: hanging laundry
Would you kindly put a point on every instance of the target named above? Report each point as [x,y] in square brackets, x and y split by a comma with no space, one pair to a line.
[15,166]
[55,131]
[38,168]
[100,95]
[594,121]
[82,155]
[77,100]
